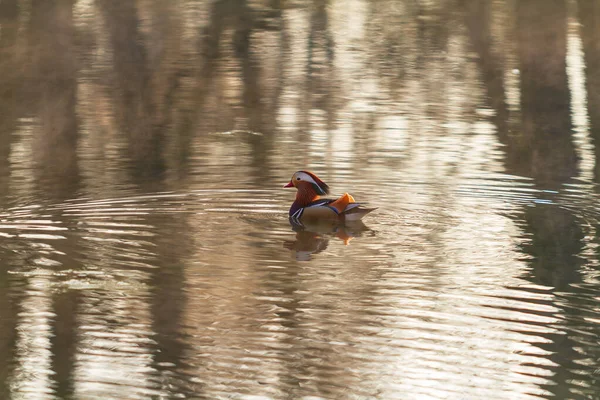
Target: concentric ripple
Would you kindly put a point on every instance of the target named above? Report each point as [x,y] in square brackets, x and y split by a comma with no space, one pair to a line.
[204,294]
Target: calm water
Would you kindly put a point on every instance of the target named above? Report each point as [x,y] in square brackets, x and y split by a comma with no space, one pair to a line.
[145,251]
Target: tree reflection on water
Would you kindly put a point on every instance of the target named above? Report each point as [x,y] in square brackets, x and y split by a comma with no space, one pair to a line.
[132,131]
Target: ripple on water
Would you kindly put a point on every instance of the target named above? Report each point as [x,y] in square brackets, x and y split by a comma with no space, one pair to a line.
[198,294]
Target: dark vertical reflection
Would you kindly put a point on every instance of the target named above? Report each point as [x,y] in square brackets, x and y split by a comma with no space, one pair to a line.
[54,83]
[253,99]
[64,341]
[478,21]
[589,18]
[433,40]
[433,35]
[54,77]
[208,50]
[133,90]
[556,242]
[10,78]
[544,148]
[168,65]
[257,102]
[320,52]
[320,83]
[289,283]
[169,300]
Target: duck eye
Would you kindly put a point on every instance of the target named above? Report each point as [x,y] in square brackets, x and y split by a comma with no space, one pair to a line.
[298,179]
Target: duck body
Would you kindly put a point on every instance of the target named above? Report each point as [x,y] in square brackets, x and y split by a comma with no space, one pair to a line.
[310,207]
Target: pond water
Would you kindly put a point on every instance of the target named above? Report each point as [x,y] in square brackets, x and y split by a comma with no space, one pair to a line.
[145,249]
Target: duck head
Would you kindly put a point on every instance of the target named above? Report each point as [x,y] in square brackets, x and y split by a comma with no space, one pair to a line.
[308,182]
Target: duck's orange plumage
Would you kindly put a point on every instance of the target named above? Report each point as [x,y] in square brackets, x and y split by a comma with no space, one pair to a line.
[310,205]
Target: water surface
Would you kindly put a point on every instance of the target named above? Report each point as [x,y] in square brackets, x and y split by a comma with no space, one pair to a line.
[145,250]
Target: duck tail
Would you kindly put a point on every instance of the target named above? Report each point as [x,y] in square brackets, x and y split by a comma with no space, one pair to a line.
[355,212]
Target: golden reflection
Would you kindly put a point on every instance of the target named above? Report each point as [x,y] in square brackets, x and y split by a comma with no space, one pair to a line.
[114,355]
[314,238]
[33,375]
[166,268]
[579,106]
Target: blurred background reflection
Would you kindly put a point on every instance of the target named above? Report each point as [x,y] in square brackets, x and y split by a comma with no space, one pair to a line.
[145,250]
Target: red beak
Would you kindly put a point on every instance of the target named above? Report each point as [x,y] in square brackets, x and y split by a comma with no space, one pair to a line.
[290,184]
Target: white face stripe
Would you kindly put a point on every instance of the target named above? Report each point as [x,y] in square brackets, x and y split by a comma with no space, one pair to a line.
[304,177]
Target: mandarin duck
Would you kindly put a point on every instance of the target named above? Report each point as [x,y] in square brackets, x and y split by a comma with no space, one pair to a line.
[309,206]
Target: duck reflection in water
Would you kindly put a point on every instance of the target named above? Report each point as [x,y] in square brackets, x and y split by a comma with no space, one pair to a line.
[314,238]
